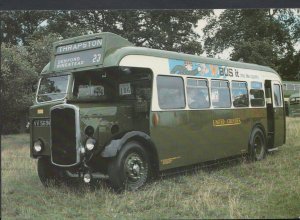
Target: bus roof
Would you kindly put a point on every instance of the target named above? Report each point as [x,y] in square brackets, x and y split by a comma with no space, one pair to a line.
[114,48]
[116,56]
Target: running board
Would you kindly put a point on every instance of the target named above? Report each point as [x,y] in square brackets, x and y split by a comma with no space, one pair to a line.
[273,149]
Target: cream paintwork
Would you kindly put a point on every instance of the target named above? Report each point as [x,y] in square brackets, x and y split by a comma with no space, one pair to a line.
[160,66]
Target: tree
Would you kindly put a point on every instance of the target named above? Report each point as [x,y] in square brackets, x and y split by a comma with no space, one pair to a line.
[17,78]
[161,29]
[261,36]
[18,25]
[39,49]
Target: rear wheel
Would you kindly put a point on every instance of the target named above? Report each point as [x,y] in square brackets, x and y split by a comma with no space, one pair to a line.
[130,169]
[257,145]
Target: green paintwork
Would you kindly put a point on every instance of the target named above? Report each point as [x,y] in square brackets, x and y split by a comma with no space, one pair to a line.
[279,126]
[101,116]
[42,133]
[190,137]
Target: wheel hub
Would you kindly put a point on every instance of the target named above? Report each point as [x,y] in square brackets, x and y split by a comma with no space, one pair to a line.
[257,146]
[134,167]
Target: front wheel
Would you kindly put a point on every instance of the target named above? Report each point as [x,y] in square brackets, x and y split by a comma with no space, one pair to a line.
[130,169]
[257,145]
[48,173]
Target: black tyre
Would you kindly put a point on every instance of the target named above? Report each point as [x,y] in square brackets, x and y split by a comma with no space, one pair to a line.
[130,169]
[257,145]
[48,173]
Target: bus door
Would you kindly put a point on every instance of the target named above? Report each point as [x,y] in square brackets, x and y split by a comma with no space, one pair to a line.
[275,113]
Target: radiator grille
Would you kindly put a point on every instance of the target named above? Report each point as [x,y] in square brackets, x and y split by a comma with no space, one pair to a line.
[63,136]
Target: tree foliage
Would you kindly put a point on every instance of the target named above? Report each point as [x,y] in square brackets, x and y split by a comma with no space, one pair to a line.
[161,29]
[17,78]
[261,36]
[17,26]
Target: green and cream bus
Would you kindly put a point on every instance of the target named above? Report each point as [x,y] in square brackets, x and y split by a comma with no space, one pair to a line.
[106,109]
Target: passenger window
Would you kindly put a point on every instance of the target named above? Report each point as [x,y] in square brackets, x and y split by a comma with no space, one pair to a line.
[239,94]
[220,94]
[170,92]
[197,94]
[277,95]
[257,96]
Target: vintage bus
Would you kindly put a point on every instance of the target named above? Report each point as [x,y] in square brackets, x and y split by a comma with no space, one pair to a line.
[291,91]
[106,109]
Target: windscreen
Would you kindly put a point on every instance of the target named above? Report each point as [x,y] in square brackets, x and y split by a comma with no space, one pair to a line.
[92,86]
[52,88]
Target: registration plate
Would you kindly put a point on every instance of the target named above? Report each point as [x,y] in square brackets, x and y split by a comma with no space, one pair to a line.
[41,122]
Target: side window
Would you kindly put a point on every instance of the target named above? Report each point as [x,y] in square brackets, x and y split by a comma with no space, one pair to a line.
[257,96]
[239,94]
[170,92]
[197,94]
[220,94]
[277,95]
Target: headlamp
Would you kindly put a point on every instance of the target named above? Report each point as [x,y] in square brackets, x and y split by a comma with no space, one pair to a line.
[90,144]
[87,178]
[38,146]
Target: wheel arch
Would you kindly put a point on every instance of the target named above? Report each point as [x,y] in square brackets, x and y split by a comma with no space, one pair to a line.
[262,128]
[114,147]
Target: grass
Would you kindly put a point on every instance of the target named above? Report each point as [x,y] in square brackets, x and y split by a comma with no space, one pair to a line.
[265,189]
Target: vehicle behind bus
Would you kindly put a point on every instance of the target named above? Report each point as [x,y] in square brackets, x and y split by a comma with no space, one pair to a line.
[105,109]
[291,88]
[294,105]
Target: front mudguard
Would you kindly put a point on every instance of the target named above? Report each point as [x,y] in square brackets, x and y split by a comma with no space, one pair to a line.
[112,149]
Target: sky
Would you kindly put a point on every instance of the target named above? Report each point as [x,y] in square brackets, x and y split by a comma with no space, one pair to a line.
[201,24]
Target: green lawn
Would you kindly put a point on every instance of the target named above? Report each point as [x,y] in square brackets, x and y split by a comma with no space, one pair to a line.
[266,189]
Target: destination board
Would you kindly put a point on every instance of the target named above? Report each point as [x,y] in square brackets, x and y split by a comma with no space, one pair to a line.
[78,59]
[86,45]
[80,54]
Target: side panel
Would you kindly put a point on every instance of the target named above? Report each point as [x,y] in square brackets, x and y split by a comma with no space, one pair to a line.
[182,137]
[231,131]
